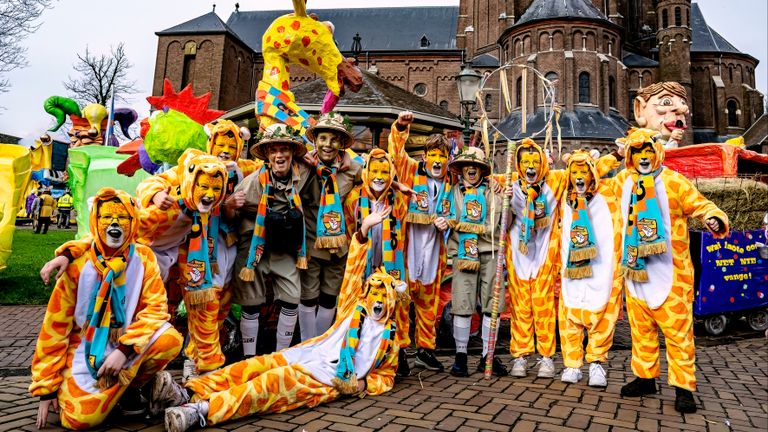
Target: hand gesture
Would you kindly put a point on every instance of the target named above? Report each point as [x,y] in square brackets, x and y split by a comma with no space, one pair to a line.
[403,188]
[310,158]
[509,190]
[713,224]
[495,186]
[235,201]
[162,200]
[405,118]
[374,219]
[677,135]
[441,224]
[58,264]
[43,409]
[113,364]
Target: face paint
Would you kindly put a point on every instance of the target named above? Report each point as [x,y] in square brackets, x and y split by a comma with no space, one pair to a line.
[436,163]
[644,159]
[664,112]
[328,144]
[225,147]
[379,175]
[580,176]
[207,191]
[114,223]
[471,174]
[376,301]
[530,164]
[280,157]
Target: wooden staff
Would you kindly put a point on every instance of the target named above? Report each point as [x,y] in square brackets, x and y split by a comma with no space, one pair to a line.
[500,260]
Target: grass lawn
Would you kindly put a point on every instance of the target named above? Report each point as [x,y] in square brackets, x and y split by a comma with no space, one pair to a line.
[20,282]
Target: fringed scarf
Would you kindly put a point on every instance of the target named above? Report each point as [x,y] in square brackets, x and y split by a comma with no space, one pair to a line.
[581,248]
[345,380]
[330,216]
[536,214]
[106,318]
[199,260]
[645,234]
[392,247]
[256,250]
[471,224]
[418,208]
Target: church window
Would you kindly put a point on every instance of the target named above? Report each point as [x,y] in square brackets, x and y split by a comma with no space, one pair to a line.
[678,17]
[188,67]
[733,119]
[488,101]
[420,89]
[584,87]
[664,18]
[519,91]
[612,92]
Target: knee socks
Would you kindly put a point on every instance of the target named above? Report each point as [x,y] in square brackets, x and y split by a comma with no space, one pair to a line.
[249,328]
[461,332]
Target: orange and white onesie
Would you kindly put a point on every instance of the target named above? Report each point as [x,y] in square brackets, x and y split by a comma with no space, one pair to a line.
[589,302]
[59,368]
[665,300]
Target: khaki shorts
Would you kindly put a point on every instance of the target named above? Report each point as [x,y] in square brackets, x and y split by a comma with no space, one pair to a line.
[281,269]
[322,276]
[464,289]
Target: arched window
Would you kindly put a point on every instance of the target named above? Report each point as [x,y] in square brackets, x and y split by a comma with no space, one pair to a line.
[444,104]
[188,67]
[730,73]
[584,87]
[488,101]
[552,76]
[664,18]
[519,91]
[612,92]
[733,119]
[687,19]
[678,17]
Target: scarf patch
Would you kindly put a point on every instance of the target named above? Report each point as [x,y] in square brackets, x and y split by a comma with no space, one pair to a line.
[581,248]
[418,208]
[392,246]
[644,235]
[330,217]
[199,260]
[471,225]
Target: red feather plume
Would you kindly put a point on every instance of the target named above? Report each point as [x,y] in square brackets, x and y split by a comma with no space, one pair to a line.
[185,102]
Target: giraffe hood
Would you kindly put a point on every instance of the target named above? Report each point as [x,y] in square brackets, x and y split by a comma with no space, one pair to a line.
[222,127]
[377,154]
[392,287]
[107,194]
[636,138]
[583,157]
[194,163]
[528,144]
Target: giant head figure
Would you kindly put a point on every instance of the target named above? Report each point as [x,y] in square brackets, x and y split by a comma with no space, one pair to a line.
[662,107]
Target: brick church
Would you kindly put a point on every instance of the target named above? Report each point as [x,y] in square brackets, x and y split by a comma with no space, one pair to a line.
[599,51]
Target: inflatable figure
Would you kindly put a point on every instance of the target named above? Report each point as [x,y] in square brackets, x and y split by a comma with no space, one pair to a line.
[15,166]
[663,107]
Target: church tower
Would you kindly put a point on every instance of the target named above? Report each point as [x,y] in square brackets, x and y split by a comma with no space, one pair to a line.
[674,41]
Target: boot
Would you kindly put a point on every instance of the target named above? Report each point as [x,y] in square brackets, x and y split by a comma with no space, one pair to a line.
[639,387]
[684,402]
[403,369]
[459,368]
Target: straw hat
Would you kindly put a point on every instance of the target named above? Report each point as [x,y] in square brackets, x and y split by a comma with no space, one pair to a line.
[470,156]
[334,122]
[278,133]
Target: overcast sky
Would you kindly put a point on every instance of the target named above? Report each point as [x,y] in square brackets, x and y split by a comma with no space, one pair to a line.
[74,24]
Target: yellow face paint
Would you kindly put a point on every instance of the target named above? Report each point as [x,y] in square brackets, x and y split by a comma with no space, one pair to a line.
[379,175]
[580,177]
[327,144]
[225,147]
[376,301]
[114,223]
[644,159]
[207,190]
[530,165]
[436,163]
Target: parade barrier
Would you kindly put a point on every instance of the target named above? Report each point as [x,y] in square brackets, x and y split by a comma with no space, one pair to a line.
[15,165]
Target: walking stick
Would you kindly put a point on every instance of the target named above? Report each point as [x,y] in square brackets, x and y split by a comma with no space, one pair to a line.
[500,261]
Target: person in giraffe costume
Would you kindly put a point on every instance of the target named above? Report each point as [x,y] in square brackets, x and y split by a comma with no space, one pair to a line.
[656,203]
[427,221]
[105,333]
[356,356]
[590,297]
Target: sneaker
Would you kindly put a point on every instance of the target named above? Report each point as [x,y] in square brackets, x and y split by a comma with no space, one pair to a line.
[497,368]
[546,367]
[571,375]
[166,393]
[181,418]
[426,358]
[132,402]
[520,367]
[188,371]
[684,402]
[597,375]
[403,368]
[459,368]
[639,387]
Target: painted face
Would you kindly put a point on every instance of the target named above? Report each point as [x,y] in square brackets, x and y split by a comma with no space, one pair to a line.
[436,164]
[81,135]
[379,175]
[581,177]
[644,159]
[114,223]
[207,191]
[530,164]
[280,157]
[376,301]
[471,174]
[327,144]
[663,112]
[225,147]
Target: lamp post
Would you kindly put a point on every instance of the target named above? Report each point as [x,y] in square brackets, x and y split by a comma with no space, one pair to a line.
[469,83]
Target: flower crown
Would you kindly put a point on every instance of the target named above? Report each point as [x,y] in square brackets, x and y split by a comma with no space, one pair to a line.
[278,132]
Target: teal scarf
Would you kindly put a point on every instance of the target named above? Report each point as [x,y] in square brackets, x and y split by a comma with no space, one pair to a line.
[581,248]
[330,229]
[536,213]
[202,250]
[392,246]
[418,208]
[471,224]
[645,234]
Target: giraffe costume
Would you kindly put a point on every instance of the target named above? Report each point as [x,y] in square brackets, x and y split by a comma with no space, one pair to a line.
[308,374]
[591,289]
[59,366]
[661,297]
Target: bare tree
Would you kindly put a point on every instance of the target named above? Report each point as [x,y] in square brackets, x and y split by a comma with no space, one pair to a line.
[17,21]
[100,76]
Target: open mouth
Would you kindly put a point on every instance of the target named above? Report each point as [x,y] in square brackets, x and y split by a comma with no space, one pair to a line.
[530,174]
[205,204]
[581,186]
[645,165]
[225,156]
[472,174]
[437,169]
[115,233]
[675,124]
[378,309]
[378,185]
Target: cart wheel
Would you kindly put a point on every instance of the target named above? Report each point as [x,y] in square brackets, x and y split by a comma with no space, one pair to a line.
[758,320]
[715,325]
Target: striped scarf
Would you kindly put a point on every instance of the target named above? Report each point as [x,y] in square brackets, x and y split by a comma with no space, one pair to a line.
[330,229]
[536,214]
[345,380]
[418,208]
[581,248]
[392,247]
[471,224]
[199,260]
[644,235]
[105,320]
[256,250]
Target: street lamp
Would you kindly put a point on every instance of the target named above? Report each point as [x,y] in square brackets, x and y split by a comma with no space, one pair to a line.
[469,83]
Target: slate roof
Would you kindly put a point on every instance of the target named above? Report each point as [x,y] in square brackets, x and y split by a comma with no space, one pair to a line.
[208,23]
[636,60]
[550,9]
[381,29]
[704,38]
[581,123]
[485,60]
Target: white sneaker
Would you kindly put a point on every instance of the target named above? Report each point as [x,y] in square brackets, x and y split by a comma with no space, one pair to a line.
[181,418]
[570,375]
[597,375]
[546,367]
[520,367]
[166,393]
[188,371]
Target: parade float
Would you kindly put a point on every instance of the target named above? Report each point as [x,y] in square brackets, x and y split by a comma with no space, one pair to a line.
[15,165]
